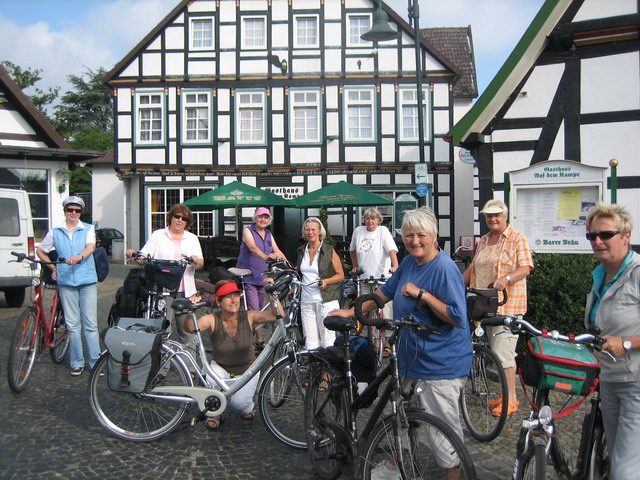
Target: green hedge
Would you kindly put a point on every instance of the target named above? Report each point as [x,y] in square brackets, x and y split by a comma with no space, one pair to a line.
[558,289]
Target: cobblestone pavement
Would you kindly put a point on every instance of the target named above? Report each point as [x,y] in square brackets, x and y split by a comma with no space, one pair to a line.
[48,431]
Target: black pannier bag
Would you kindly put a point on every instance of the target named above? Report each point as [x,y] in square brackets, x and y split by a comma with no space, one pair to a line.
[134,353]
[130,298]
[165,274]
[482,303]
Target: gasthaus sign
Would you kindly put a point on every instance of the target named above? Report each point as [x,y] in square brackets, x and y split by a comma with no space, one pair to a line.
[549,202]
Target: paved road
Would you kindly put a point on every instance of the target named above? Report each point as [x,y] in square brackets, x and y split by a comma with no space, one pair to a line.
[48,431]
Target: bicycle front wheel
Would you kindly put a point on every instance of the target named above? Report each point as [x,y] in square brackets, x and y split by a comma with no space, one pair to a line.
[534,463]
[426,448]
[132,416]
[325,408]
[483,392]
[60,344]
[599,459]
[25,346]
[281,399]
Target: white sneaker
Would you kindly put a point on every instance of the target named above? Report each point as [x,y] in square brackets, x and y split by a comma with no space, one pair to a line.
[385,471]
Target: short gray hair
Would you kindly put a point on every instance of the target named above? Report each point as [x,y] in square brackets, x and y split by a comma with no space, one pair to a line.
[422,219]
[372,212]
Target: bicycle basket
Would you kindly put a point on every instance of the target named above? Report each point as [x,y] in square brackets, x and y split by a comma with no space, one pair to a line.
[482,303]
[554,365]
[165,274]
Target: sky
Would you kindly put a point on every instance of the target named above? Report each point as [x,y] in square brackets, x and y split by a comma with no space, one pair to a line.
[67,37]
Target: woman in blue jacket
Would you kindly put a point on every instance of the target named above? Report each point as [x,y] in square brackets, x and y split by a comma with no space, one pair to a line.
[75,241]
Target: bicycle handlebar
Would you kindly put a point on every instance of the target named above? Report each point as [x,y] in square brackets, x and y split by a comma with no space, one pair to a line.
[149,259]
[519,325]
[384,323]
[272,287]
[23,256]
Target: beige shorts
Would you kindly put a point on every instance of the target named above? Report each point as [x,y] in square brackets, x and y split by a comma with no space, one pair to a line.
[503,345]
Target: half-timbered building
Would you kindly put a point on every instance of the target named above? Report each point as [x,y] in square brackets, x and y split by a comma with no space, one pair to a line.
[280,94]
[570,90]
[33,156]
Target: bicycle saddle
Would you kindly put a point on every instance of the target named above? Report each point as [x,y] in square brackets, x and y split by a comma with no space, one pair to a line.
[239,272]
[339,324]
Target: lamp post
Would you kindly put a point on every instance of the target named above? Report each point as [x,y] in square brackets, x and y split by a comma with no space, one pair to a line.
[381,31]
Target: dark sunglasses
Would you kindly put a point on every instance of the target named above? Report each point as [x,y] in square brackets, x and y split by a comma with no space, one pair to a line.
[591,236]
[73,210]
[180,217]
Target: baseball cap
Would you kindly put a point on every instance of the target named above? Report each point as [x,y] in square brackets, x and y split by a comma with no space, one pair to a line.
[226,289]
[73,200]
[263,211]
[494,206]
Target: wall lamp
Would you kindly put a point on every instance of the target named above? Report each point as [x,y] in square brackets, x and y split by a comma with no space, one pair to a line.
[281,64]
[62,177]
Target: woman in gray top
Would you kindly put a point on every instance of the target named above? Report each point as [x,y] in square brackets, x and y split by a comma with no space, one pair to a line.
[614,306]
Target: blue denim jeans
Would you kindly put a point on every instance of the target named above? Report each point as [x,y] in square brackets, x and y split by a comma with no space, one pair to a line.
[80,306]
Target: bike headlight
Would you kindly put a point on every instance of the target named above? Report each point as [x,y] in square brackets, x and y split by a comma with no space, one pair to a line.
[545,415]
[162,304]
[479,331]
[35,281]
[419,388]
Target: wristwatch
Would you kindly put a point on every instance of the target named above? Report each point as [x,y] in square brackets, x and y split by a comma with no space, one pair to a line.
[508,277]
[626,344]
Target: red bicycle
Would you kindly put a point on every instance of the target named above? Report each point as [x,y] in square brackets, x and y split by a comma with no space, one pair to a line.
[34,332]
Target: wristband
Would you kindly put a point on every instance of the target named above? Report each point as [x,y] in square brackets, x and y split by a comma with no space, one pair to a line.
[422,292]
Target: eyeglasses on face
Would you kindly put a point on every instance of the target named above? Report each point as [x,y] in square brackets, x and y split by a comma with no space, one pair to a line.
[606,235]
[180,217]
[73,210]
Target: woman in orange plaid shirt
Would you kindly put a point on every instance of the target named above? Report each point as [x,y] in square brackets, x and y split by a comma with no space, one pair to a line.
[503,258]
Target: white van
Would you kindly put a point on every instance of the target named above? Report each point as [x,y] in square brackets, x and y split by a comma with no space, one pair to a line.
[16,235]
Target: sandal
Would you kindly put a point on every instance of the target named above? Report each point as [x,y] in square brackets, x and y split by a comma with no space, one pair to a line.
[386,352]
[259,346]
[214,423]
[323,386]
[247,417]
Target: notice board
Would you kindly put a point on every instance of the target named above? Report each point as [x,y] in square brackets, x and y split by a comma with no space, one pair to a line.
[549,203]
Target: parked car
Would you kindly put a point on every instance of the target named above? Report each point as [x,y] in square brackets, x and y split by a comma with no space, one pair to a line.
[16,235]
[105,236]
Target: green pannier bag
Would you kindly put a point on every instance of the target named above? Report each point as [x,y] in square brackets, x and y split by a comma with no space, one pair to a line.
[134,353]
[554,365]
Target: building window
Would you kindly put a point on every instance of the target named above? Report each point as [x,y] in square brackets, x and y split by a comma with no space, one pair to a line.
[254,33]
[306,31]
[196,108]
[201,33]
[409,114]
[305,116]
[250,117]
[150,121]
[358,25]
[162,199]
[359,110]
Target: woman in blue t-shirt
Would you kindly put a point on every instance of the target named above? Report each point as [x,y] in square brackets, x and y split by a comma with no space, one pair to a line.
[442,361]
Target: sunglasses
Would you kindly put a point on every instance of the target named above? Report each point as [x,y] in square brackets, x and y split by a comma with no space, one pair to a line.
[73,210]
[591,236]
[180,217]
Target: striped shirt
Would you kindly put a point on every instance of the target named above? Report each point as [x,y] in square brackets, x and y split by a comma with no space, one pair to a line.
[513,251]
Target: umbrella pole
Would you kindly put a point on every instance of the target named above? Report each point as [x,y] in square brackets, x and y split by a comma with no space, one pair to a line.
[238,226]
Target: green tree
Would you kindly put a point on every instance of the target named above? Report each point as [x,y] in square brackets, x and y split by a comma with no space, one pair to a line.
[27,79]
[84,116]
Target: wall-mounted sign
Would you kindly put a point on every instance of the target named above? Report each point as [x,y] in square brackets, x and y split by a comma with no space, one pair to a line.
[422,189]
[549,203]
[401,204]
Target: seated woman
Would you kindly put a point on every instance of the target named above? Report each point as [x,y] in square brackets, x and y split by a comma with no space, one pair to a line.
[231,329]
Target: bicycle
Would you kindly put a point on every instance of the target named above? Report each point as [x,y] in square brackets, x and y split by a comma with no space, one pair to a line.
[409,442]
[181,381]
[487,384]
[34,331]
[375,335]
[539,444]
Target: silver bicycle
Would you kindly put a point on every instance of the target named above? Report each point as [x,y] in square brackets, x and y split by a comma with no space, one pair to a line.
[182,381]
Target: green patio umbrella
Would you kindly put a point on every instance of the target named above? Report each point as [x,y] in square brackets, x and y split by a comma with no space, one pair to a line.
[236,195]
[339,195]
